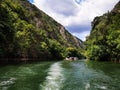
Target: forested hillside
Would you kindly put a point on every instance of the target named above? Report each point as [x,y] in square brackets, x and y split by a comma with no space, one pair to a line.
[103,44]
[28,33]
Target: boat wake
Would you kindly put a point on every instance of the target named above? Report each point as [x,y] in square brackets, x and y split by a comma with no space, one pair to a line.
[55,78]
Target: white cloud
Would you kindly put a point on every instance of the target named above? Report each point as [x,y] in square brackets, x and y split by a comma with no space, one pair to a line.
[82,35]
[83,12]
[75,12]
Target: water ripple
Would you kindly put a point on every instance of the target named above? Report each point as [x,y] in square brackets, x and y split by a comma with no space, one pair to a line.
[6,83]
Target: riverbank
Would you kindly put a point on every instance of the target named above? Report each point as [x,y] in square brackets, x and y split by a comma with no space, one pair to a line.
[14,61]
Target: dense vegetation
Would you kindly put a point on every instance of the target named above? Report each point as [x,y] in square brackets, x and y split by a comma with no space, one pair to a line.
[103,44]
[27,33]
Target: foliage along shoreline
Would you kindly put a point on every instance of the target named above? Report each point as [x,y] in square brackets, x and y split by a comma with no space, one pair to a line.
[103,44]
[26,32]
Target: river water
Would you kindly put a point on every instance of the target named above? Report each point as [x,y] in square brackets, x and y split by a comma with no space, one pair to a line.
[62,75]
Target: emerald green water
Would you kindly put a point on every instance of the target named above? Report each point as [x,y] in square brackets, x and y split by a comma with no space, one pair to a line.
[63,75]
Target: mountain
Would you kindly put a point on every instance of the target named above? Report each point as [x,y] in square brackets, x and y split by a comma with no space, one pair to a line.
[103,44]
[28,33]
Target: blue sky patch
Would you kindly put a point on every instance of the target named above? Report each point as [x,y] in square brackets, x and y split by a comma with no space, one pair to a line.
[31,1]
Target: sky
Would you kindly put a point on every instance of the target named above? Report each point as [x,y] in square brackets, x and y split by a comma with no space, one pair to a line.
[75,15]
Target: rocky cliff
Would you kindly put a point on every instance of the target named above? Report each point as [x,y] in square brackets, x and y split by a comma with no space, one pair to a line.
[27,32]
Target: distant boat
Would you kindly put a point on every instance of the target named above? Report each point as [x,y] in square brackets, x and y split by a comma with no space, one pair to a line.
[71,58]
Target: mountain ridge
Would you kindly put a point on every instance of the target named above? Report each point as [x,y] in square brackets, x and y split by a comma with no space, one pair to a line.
[61,28]
[103,44]
[27,32]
